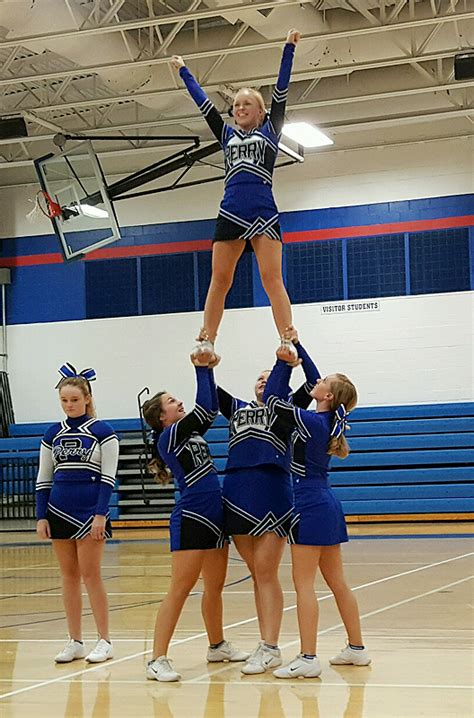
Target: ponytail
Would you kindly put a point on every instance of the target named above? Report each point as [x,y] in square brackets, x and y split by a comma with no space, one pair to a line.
[344,400]
[152,415]
[157,467]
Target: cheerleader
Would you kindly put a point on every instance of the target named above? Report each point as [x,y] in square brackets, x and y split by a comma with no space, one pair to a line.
[78,463]
[248,214]
[198,543]
[318,526]
[258,501]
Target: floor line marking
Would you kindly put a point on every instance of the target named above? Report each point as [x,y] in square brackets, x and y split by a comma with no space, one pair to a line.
[228,627]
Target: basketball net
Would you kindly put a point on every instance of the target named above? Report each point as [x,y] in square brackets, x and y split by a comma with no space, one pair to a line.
[44,205]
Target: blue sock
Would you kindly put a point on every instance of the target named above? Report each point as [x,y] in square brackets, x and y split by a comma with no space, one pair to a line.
[356,648]
[309,656]
[269,645]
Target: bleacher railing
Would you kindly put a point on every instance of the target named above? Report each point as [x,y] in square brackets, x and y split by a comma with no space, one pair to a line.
[17,488]
[6,404]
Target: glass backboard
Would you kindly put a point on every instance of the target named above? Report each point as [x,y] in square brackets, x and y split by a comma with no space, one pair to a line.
[74,180]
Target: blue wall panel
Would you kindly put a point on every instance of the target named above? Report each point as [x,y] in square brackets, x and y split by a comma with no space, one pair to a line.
[322,269]
[50,293]
[439,261]
[314,271]
[111,288]
[376,266]
[167,283]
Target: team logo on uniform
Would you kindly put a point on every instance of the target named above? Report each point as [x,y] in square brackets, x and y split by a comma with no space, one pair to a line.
[72,448]
[199,451]
[256,417]
[248,150]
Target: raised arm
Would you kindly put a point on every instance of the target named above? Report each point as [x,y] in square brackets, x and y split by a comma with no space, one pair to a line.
[278,383]
[301,397]
[205,106]
[280,93]
[201,417]
[228,404]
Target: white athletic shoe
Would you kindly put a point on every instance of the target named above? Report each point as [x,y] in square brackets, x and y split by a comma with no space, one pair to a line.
[160,670]
[71,652]
[350,656]
[300,667]
[226,652]
[102,652]
[262,659]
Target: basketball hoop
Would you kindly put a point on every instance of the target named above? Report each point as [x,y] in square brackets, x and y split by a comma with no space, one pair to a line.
[44,205]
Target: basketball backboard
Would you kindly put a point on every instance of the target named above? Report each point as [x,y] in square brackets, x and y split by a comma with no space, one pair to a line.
[84,219]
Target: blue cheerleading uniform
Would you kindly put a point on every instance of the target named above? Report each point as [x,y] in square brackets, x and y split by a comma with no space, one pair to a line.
[197,519]
[78,463]
[258,495]
[248,208]
[318,518]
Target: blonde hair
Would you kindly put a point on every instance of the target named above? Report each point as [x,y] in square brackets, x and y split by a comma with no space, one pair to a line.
[152,414]
[344,392]
[255,93]
[81,383]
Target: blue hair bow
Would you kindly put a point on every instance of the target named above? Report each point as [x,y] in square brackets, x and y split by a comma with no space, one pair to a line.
[340,421]
[67,371]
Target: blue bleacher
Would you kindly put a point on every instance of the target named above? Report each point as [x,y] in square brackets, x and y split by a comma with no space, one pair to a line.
[415,459]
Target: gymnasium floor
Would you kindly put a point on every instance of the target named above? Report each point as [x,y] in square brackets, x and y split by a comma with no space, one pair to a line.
[415,591]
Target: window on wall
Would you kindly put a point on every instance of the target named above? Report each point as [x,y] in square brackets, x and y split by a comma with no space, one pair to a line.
[111,288]
[241,293]
[314,271]
[439,261]
[376,266]
[167,283]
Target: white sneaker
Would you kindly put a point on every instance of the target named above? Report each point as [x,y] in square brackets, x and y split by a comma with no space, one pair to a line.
[226,652]
[262,659]
[300,667]
[71,652]
[160,670]
[102,652]
[350,656]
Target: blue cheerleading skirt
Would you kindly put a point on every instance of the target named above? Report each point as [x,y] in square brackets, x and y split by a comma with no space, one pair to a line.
[197,522]
[318,518]
[257,500]
[71,509]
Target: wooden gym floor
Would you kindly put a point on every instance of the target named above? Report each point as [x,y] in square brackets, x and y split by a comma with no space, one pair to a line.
[415,592]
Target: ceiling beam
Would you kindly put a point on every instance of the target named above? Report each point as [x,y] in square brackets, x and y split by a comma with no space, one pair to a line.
[156,21]
[330,71]
[196,118]
[148,62]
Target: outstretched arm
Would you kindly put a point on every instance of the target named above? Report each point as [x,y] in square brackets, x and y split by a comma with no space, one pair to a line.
[302,397]
[203,414]
[280,93]
[207,109]
[278,383]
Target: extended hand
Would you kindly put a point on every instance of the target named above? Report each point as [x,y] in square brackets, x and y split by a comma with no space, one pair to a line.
[178,62]
[98,528]
[293,36]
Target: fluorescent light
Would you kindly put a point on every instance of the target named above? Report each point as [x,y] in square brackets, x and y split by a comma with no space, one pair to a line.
[88,210]
[306,134]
